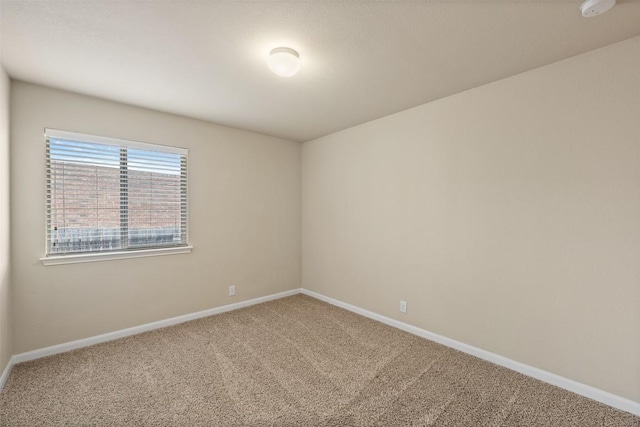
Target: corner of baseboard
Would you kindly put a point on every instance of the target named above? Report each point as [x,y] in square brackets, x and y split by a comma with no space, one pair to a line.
[5,373]
[590,392]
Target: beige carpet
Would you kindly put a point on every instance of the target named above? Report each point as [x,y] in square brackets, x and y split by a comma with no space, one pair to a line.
[292,362]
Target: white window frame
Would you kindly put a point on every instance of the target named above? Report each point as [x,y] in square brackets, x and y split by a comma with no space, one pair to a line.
[73,258]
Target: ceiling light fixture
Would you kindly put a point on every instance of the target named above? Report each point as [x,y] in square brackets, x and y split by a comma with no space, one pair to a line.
[284,61]
[591,8]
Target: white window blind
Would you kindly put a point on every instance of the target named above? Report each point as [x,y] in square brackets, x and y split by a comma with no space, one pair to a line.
[106,194]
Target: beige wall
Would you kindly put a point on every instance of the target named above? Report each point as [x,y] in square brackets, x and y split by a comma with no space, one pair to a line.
[6,349]
[244,192]
[507,216]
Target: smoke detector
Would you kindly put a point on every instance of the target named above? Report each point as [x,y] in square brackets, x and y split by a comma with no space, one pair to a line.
[591,8]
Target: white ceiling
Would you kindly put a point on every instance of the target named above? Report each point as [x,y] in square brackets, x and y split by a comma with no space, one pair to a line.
[360,60]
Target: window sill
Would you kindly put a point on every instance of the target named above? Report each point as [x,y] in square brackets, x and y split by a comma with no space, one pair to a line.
[108,256]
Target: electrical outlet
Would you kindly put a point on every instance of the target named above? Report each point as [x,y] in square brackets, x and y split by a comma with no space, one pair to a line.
[232,291]
[403,306]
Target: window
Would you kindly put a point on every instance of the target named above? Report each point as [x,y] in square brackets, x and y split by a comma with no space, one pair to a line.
[106,195]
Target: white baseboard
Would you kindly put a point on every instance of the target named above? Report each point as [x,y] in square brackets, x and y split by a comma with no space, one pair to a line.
[6,372]
[85,342]
[565,383]
[547,377]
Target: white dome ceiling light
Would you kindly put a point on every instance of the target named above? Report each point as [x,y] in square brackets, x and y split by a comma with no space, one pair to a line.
[284,61]
[591,8]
